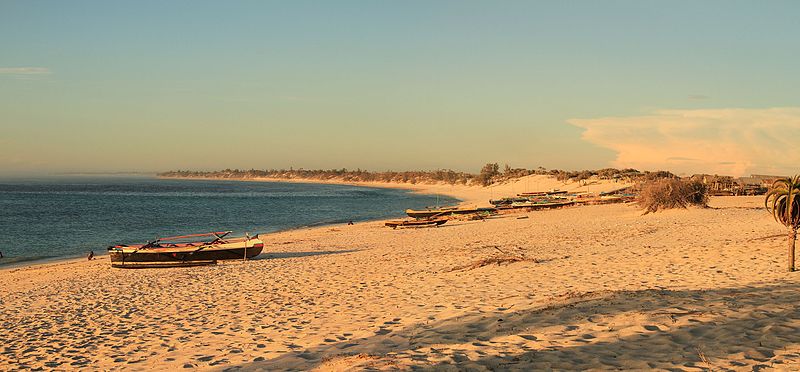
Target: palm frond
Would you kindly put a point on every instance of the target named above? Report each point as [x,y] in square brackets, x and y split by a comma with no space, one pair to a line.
[783,200]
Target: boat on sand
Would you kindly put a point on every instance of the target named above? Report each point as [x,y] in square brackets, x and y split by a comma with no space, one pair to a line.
[416,223]
[430,213]
[548,204]
[185,250]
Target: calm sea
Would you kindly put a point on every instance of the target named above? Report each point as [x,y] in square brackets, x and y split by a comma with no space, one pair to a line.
[68,217]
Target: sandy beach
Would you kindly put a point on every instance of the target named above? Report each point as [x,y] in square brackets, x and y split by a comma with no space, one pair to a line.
[399,186]
[470,195]
[591,287]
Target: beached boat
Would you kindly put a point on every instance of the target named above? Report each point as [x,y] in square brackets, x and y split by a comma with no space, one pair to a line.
[542,193]
[416,223]
[605,199]
[507,201]
[185,250]
[533,205]
[429,213]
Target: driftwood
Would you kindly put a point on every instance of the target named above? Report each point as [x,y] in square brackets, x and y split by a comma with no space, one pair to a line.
[496,260]
[504,257]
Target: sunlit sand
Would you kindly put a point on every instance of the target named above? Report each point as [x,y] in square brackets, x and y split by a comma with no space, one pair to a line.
[591,287]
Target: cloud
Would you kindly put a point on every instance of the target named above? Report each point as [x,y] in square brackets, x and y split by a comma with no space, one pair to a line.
[722,141]
[24,71]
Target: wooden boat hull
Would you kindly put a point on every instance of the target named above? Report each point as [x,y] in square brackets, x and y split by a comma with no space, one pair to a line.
[428,213]
[537,206]
[151,265]
[418,223]
[135,256]
[506,201]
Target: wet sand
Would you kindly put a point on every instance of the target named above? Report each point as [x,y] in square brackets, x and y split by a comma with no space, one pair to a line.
[593,287]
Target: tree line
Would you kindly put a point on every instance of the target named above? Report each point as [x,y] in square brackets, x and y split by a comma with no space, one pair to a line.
[491,173]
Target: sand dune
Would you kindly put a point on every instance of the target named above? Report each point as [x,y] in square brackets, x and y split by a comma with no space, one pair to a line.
[479,195]
[598,287]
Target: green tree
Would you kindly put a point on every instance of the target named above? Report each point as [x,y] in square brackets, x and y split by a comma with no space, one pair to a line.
[782,200]
[488,173]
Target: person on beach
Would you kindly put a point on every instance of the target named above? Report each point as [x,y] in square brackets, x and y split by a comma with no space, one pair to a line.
[90,256]
[1,254]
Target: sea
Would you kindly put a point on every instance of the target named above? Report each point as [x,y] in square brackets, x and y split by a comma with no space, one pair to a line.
[69,216]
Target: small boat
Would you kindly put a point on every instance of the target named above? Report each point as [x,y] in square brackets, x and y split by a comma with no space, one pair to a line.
[416,223]
[185,250]
[507,201]
[543,193]
[531,205]
[430,213]
[534,193]
[605,199]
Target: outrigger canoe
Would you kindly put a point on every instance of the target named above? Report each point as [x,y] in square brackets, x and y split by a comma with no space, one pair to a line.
[429,213]
[505,202]
[531,205]
[185,251]
[416,223]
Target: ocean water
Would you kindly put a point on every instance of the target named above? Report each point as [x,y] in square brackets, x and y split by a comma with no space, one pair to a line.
[69,216]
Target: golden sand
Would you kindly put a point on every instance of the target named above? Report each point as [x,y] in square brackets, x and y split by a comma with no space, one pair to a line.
[592,287]
[479,195]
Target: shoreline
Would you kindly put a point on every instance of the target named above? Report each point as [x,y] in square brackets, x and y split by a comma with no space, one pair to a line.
[73,259]
[54,262]
[427,189]
[467,196]
[44,261]
[470,195]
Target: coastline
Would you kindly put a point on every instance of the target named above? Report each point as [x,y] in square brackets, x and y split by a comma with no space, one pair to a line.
[48,263]
[45,261]
[417,188]
[470,195]
[101,252]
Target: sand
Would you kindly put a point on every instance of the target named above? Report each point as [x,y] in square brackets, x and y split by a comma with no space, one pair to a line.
[472,195]
[591,287]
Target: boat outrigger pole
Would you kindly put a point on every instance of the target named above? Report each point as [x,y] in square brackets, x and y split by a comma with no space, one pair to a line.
[215,234]
[246,239]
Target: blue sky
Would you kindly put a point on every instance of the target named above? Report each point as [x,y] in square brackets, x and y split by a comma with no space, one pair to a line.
[105,86]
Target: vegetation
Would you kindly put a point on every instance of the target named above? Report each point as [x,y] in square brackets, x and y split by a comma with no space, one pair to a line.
[490,174]
[668,193]
[442,175]
[782,200]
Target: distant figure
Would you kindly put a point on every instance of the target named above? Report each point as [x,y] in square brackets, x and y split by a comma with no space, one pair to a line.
[1,254]
[350,223]
[90,256]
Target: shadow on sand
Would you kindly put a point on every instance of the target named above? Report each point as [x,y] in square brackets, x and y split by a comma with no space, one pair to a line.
[278,255]
[732,328]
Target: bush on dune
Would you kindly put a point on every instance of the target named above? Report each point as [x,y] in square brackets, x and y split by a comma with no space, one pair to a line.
[669,193]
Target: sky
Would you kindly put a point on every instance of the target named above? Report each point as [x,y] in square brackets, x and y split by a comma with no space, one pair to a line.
[686,86]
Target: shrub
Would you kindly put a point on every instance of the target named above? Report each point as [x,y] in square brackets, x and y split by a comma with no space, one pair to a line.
[488,173]
[668,193]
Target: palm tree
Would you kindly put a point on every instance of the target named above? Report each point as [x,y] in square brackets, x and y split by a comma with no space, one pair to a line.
[783,199]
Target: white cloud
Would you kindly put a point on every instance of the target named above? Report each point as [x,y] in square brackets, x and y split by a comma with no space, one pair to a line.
[24,71]
[723,141]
